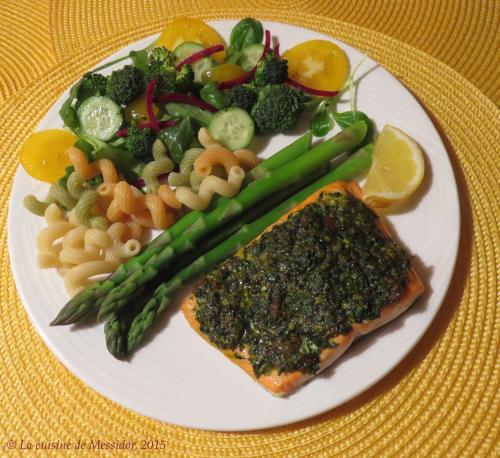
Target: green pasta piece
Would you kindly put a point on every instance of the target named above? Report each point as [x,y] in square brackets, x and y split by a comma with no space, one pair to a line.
[159,150]
[185,168]
[33,205]
[178,179]
[60,194]
[57,193]
[76,185]
[84,214]
[187,164]
[195,181]
[153,170]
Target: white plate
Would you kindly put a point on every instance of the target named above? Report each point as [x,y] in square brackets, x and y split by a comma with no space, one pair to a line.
[180,379]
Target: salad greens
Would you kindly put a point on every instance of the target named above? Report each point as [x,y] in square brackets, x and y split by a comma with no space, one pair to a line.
[178,139]
[245,33]
[264,96]
[210,94]
[326,116]
[263,92]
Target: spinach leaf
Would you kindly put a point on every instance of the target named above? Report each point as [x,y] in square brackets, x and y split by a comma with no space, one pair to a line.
[63,181]
[348,118]
[85,146]
[140,59]
[321,123]
[212,95]
[67,112]
[178,138]
[245,33]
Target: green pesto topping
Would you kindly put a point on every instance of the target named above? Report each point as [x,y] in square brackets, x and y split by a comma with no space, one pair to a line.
[301,284]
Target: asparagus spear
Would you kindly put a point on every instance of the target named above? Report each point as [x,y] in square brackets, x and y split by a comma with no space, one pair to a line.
[90,299]
[277,179]
[162,297]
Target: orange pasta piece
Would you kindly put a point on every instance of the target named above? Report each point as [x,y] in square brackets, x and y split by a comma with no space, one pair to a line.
[206,161]
[88,170]
[168,196]
[246,158]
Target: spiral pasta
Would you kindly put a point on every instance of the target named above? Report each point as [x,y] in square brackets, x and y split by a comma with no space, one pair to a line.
[119,246]
[247,159]
[150,210]
[215,155]
[209,186]
[168,196]
[205,138]
[187,163]
[83,253]
[158,149]
[178,179]
[74,251]
[185,168]
[83,211]
[35,206]
[134,229]
[195,180]
[160,165]
[76,185]
[88,170]
[57,227]
[57,194]
[79,276]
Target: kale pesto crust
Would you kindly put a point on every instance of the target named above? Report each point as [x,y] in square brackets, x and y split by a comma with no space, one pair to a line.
[289,304]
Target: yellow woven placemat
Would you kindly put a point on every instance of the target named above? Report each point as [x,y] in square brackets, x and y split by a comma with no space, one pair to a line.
[442,399]
[464,34]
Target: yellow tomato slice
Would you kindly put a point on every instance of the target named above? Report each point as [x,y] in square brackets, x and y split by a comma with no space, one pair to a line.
[224,72]
[183,29]
[319,64]
[43,154]
[137,110]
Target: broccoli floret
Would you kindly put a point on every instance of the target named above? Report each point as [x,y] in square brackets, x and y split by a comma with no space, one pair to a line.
[277,108]
[165,76]
[303,97]
[271,70]
[92,84]
[242,96]
[125,85]
[162,55]
[184,79]
[162,69]
[140,142]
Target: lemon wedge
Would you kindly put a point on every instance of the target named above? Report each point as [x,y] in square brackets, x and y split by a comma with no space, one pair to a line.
[397,169]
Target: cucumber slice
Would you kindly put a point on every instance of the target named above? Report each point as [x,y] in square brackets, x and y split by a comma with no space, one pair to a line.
[232,127]
[188,48]
[250,56]
[100,117]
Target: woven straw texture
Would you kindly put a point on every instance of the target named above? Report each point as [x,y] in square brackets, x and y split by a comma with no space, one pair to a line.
[443,398]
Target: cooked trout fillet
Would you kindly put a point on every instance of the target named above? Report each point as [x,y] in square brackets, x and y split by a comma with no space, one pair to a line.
[286,382]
